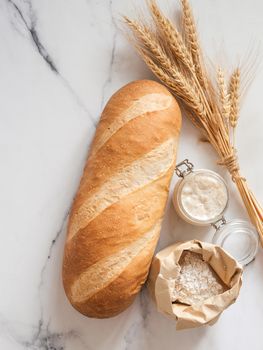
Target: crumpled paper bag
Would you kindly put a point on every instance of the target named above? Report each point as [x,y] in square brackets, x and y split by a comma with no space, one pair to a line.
[164,270]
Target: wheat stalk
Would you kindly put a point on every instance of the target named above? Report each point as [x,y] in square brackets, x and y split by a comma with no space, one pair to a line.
[177,60]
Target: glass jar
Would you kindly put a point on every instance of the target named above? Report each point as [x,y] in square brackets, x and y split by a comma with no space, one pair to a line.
[239,238]
[201,198]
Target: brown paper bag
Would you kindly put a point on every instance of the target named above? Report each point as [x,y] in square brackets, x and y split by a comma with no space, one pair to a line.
[165,269]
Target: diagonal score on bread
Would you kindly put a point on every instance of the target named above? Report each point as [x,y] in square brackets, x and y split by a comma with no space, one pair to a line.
[135,176]
[145,104]
[115,220]
[104,271]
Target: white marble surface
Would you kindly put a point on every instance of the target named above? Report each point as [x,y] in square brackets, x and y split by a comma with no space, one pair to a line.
[59,63]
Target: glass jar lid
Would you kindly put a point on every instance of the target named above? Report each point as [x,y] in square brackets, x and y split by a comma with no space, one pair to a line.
[239,238]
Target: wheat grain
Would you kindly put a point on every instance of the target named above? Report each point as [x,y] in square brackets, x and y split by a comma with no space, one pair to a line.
[179,85]
[223,95]
[193,42]
[234,89]
[149,42]
[172,37]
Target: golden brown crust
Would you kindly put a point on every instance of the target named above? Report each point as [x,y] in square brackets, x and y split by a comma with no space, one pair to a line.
[115,219]
[128,144]
[115,231]
[120,294]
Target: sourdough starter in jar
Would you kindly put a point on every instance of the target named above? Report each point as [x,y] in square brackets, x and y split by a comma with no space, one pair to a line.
[201,197]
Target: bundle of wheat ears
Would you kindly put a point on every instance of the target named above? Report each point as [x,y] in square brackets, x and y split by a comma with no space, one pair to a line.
[175,57]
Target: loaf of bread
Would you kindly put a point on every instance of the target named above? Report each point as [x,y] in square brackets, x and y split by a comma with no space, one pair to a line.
[116,216]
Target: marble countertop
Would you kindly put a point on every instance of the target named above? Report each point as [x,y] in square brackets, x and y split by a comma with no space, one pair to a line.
[59,63]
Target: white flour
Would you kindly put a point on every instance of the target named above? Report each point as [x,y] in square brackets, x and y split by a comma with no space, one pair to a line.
[196,282]
[204,197]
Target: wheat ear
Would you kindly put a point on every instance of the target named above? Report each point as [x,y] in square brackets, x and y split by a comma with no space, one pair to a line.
[149,42]
[192,41]
[178,84]
[172,37]
[223,96]
[234,91]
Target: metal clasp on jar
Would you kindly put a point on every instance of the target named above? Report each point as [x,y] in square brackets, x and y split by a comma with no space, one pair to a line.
[219,223]
[184,168]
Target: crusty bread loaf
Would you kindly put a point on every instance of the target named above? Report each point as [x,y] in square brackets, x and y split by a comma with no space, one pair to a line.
[116,216]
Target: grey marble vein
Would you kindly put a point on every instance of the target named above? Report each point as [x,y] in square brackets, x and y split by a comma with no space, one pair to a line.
[43,339]
[144,303]
[137,333]
[112,56]
[51,247]
[48,340]
[61,229]
[130,336]
[30,26]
